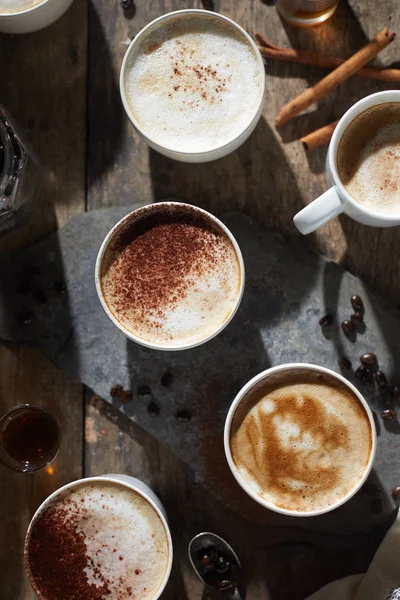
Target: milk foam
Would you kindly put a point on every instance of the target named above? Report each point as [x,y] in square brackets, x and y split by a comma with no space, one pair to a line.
[302,446]
[11,6]
[193,83]
[369,158]
[209,298]
[125,539]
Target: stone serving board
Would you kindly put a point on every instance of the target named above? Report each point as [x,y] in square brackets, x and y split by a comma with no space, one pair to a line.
[48,299]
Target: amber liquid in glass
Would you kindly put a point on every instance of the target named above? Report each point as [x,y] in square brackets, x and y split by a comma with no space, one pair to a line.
[306,13]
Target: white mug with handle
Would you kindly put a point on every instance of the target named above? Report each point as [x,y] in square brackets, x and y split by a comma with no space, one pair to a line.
[337,199]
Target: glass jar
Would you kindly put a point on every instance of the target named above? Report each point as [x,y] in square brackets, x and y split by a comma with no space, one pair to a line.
[306,13]
[18,176]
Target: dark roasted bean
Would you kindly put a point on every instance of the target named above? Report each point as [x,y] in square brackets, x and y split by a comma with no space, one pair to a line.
[347,326]
[344,363]
[153,409]
[184,416]
[396,494]
[381,381]
[389,415]
[357,303]
[357,318]
[144,390]
[326,321]
[369,358]
[167,379]
[362,373]
[377,505]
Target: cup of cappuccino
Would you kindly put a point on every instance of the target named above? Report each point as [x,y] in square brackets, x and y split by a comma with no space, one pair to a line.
[300,439]
[25,16]
[100,537]
[192,83]
[170,276]
[362,166]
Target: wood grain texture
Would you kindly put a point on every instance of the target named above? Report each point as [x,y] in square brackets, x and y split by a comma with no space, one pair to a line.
[43,85]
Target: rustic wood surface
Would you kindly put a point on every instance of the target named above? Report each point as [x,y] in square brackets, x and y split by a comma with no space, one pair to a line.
[61,85]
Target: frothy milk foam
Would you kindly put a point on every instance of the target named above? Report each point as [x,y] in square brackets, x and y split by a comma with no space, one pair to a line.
[301,444]
[11,6]
[177,282]
[126,543]
[193,83]
[368,158]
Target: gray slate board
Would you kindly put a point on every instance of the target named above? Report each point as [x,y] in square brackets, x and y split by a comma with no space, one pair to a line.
[287,290]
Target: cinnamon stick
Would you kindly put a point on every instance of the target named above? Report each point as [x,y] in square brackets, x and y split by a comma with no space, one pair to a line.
[319,137]
[335,78]
[269,50]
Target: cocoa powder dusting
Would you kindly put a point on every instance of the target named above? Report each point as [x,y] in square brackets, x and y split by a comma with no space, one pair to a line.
[57,557]
[159,259]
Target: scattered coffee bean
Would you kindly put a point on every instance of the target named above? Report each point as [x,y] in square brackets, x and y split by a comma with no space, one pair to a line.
[208,4]
[377,505]
[363,373]
[153,409]
[344,363]
[167,379]
[347,326]
[26,317]
[357,318]
[184,416]
[326,321]
[396,392]
[396,494]
[357,303]
[369,359]
[389,415]
[144,390]
[226,585]
[223,565]
[381,381]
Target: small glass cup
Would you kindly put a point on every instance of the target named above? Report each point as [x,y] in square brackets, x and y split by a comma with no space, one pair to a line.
[29,438]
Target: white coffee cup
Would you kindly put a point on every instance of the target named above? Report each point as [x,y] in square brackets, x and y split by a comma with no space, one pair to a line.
[125,481]
[257,380]
[98,270]
[34,18]
[194,157]
[337,199]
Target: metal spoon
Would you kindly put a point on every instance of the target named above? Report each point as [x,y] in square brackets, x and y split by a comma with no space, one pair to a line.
[205,540]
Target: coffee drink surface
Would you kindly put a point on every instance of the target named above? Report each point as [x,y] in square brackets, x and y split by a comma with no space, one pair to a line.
[193,83]
[301,441]
[170,275]
[368,158]
[98,540]
[15,6]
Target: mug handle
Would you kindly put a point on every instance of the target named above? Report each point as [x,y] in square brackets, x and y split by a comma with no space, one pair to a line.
[319,212]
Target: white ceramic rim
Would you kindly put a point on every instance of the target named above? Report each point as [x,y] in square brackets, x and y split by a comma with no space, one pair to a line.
[76,483]
[245,389]
[358,108]
[125,331]
[168,16]
[26,10]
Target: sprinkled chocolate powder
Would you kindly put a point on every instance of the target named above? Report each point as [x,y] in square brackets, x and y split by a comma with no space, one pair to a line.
[157,258]
[57,557]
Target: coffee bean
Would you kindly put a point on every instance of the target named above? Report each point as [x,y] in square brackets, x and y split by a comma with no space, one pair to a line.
[153,409]
[396,494]
[381,381]
[357,303]
[184,416]
[223,565]
[144,390]
[389,415]
[347,326]
[167,379]
[363,373]
[396,392]
[326,321]
[377,505]
[368,358]
[357,318]
[344,363]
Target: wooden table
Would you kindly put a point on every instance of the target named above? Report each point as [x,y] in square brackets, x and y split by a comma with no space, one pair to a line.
[61,85]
